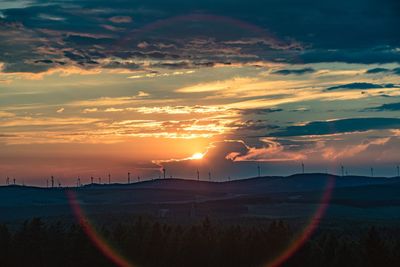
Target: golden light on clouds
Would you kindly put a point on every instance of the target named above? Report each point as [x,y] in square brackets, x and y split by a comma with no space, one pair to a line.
[197,107]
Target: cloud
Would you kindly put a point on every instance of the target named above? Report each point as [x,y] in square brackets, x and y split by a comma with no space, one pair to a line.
[229,158]
[360,85]
[41,35]
[143,94]
[377,70]
[339,126]
[364,55]
[46,121]
[259,111]
[105,101]
[395,71]
[155,74]
[271,151]
[385,107]
[180,109]
[216,86]
[294,71]
[61,110]
[89,110]
[121,19]
[241,127]
[352,150]
[5,114]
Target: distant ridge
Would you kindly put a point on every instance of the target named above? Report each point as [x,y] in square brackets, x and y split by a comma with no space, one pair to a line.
[228,198]
[348,180]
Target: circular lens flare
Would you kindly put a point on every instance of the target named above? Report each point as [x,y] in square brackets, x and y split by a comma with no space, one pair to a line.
[89,227]
[106,248]
[98,240]
[305,235]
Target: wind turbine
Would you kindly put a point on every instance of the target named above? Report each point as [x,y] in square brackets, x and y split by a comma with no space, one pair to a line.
[302,167]
[198,175]
[129,177]
[259,170]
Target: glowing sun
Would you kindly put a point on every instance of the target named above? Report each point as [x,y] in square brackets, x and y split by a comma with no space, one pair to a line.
[197,156]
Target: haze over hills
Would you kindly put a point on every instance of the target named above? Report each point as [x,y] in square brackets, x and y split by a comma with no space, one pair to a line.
[294,197]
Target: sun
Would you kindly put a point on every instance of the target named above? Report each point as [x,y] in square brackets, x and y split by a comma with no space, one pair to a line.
[197,156]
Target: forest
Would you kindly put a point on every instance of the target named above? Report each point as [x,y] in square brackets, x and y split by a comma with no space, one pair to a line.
[148,242]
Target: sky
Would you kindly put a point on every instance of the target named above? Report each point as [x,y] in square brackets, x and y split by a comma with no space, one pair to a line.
[96,87]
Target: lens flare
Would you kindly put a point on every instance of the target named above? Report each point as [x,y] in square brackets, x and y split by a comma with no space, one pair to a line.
[102,243]
[305,235]
[98,240]
[105,247]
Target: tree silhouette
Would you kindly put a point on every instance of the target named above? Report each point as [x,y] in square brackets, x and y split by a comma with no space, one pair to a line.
[375,250]
[149,242]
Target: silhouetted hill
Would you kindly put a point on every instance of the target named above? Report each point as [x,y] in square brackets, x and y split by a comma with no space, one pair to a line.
[294,195]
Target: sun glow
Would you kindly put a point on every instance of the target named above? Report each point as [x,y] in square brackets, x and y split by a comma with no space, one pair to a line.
[197,156]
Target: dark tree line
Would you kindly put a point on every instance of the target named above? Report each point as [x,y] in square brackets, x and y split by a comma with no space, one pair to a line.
[150,243]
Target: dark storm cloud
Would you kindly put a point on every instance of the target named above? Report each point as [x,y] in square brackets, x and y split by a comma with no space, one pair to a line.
[385,107]
[252,125]
[360,86]
[377,70]
[259,111]
[364,54]
[340,126]
[304,32]
[395,71]
[294,71]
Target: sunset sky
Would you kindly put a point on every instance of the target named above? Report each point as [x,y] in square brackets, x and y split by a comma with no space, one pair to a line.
[92,87]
